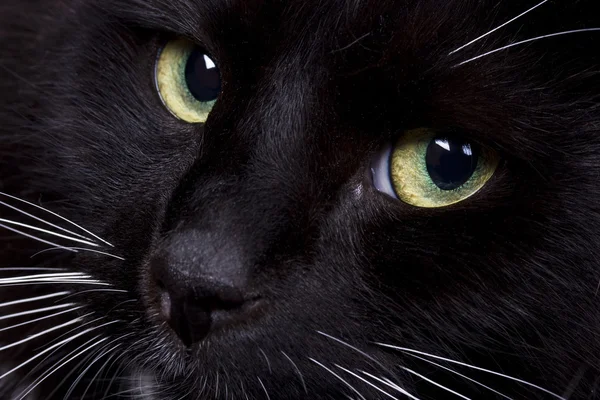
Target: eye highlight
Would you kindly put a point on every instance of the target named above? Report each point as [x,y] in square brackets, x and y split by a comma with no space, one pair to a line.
[188,80]
[429,169]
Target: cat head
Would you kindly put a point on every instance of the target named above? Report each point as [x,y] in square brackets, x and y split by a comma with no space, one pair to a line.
[311,199]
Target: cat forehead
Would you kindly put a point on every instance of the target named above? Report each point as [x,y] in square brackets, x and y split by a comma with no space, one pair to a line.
[329,19]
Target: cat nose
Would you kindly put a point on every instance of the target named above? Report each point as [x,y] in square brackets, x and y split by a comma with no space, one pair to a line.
[195,306]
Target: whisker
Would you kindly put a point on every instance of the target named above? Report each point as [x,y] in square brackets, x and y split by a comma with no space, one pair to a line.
[411,352]
[435,383]
[44,221]
[65,341]
[110,384]
[498,27]
[50,279]
[346,47]
[40,319]
[82,249]
[527,41]
[96,375]
[36,311]
[58,216]
[45,332]
[65,376]
[339,377]
[54,282]
[48,374]
[58,275]
[264,388]
[48,232]
[267,360]
[366,381]
[297,370]
[91,322]
[353,348]
[95,290]
[103,353]
[462,376]
[36,238]
[58,348]
[56,278]
[32,299]
[391,385]
[2,269]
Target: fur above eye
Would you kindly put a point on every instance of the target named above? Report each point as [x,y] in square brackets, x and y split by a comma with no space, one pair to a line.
[429,169]
[188,80]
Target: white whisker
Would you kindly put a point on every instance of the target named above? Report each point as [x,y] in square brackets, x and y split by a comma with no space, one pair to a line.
[56,278]
[55,282]
[339,377]
[36,238]
[527,41]
[435,383]
[82,249]
[29,338]
[65,341]
[2,269]
[90,322]
[93,380]
[44,221]
[498,27]
[58,216]
[267,360]
[110,384]
[264,388]
[462,376]
[103,353]
[48,374]
[58,275]
[366,381]
[353,348]
[96,290]
[48,232]
[40,319]
[391,385]
[32,299]
[411,352]
[297,371]
[36,311]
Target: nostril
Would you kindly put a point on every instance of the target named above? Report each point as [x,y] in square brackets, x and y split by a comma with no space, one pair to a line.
[193,318]
[194,306]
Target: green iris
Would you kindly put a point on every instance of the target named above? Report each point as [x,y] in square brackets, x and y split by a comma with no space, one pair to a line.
[181,68]
[424,175]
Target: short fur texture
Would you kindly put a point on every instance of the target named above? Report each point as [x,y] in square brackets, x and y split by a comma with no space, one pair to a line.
[276,187]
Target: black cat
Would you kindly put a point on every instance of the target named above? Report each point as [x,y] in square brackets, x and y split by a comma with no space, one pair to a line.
[299,199]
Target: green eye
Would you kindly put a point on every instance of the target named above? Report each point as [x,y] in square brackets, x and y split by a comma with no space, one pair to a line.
[427,169]
[188,81]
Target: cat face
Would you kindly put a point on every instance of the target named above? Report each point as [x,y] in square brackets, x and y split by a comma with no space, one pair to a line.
[301,199]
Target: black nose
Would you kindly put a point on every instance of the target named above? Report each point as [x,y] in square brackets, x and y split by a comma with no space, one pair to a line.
[195,302]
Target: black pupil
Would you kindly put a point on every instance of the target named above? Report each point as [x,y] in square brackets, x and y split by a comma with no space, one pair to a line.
[202,76]
[451,161]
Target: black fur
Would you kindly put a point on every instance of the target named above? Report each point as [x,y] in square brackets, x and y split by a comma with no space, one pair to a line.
[276,187]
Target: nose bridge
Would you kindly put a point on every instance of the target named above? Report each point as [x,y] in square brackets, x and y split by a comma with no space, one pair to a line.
[208,255]
[239,204]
